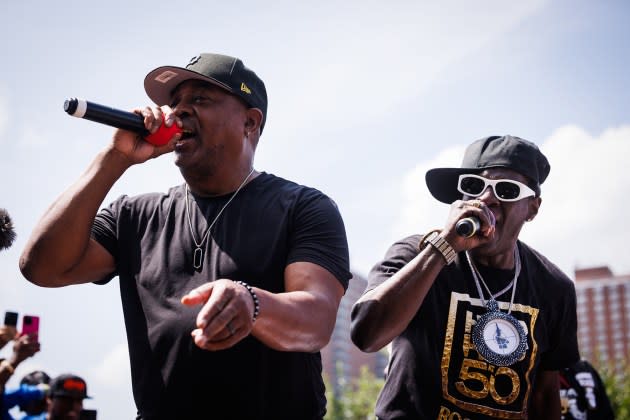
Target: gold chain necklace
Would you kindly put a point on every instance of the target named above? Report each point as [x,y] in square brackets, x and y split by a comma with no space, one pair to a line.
[198,253]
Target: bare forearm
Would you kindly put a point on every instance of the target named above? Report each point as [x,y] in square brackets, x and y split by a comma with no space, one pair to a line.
[295,321]
[6,370]
[60,239]
[384,312]
[545,402]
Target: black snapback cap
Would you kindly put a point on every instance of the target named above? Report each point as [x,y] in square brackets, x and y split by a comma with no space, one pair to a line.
[506,151]
[224,71]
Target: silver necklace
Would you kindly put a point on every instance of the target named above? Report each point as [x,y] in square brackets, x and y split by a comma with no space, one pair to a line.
[477,276]
[498,337]
[198,253]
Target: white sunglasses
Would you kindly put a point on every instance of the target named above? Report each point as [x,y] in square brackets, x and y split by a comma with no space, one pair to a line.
[504,189]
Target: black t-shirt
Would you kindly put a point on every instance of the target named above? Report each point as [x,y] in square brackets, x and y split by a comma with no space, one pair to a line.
[435,370]
[270,224]
[583,394]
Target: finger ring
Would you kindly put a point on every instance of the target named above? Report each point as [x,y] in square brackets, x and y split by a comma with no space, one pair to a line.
[476,203]
[230,328]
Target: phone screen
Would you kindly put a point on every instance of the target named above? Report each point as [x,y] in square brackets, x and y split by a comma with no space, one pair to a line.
[10,318]
[30,325]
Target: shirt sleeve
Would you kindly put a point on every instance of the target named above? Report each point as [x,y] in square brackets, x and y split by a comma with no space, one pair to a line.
[104,227]
[22,395]
[563,346]
[318,235]
[397,256]
[104,231]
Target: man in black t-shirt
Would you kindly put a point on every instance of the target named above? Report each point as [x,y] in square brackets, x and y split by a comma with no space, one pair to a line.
[583,394]
[480,323]
[230,282]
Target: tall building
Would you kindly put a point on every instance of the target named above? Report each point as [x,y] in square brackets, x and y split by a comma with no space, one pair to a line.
[603,309]
[341,359]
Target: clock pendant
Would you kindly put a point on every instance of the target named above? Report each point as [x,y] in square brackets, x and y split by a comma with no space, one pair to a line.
[498,337]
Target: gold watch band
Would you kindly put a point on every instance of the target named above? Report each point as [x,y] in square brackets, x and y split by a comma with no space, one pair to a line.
[433,237]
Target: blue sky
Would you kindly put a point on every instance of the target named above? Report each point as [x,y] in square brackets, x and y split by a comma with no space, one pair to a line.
[364,97]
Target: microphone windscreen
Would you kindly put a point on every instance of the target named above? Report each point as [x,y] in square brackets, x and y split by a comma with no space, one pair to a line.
[7,234]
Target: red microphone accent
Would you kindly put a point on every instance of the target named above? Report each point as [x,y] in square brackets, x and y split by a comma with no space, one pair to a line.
[163,134]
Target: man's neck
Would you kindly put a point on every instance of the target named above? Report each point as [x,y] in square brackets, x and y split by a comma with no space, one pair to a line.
[502,260]
[220,186]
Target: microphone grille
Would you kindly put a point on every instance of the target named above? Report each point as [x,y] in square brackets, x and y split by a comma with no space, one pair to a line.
[7,234]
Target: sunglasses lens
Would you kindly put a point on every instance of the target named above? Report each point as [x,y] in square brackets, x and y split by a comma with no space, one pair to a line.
[472,186]
[507,190]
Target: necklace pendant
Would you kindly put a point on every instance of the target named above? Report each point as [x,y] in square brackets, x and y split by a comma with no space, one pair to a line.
[498,337]
[492,306]
[197,258]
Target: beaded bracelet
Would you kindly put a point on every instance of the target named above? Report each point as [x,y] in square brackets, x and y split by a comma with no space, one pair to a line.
[254,296]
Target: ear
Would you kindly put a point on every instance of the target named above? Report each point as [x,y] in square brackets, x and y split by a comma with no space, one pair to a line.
[253,121]
[534,205]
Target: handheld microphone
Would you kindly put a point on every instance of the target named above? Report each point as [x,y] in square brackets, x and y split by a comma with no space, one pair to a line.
[468,226]
[81,108]
[7,234]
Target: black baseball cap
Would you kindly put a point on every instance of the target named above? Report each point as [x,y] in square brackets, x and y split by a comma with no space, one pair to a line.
[68,385]
[506,151]
[224,71]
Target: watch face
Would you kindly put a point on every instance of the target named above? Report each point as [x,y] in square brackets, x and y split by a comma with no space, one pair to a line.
[499,338]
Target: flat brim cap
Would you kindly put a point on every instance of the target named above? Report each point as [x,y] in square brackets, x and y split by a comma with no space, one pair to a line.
[68,385]
[226,72]
[506,151]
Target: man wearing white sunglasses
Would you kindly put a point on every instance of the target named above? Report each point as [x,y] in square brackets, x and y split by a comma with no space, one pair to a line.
[480,323]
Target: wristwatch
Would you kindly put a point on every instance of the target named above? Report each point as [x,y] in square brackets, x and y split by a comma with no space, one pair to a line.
[440,244]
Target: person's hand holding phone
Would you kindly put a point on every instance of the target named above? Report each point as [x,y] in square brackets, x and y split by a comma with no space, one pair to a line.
[30,326]
[7,333]
[24,347]
[9,330]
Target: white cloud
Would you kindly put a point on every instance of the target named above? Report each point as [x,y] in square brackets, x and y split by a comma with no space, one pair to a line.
[110,385]
[585,199]
[113,371]
[421,211]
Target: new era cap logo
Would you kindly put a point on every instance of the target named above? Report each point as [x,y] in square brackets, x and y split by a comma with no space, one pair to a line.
[193,60]
[73,385]
[245,89]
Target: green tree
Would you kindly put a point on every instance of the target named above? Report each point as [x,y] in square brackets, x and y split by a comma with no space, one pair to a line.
[618,390]
[356,399]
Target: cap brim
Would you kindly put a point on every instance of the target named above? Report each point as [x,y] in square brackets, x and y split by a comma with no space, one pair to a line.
[160,83]
[71,395]
[442,182]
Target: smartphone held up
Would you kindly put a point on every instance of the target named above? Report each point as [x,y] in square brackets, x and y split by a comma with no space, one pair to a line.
[10,319]
[30,326]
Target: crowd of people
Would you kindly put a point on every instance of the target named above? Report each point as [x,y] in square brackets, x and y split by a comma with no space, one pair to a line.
[38,396]
[230,281]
